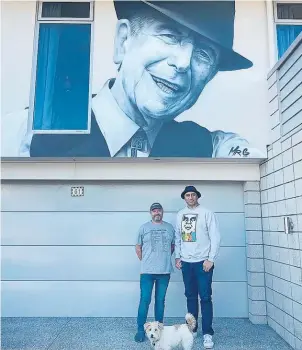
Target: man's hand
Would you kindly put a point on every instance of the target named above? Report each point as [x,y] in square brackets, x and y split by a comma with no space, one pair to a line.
[207,265]
[178,264]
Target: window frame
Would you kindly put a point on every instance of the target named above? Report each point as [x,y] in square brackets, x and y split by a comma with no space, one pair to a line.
[286,21]
[278,21]
[41,20]
[60,19]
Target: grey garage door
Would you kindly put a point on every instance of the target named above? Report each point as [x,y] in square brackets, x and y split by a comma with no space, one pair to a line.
[74,256]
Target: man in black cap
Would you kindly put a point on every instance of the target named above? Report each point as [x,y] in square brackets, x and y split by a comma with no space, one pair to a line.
[166,53]
[154,247]
[197,241]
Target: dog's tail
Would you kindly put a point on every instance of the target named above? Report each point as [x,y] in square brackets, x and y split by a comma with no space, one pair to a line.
[191,321]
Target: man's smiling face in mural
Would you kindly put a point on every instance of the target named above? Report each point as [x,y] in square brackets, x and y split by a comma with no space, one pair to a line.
[163,65]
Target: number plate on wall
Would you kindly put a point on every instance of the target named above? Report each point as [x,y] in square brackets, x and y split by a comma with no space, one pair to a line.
[77,191]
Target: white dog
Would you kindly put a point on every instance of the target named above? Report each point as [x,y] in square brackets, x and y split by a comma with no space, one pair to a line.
[168,337]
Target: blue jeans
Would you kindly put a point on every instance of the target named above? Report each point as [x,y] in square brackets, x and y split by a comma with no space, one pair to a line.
[197,281]
[147,281]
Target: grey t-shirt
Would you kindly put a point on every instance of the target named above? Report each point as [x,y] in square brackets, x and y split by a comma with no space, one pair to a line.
[156,240]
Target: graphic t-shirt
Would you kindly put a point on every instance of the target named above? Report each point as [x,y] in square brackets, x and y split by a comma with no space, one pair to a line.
[197,235]
[156,240]
[188,227]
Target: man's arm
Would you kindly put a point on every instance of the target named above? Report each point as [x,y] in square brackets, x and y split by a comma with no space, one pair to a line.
[172,248]
[172,239]
[177,244]
[214,235]
[139,244]
[138,250]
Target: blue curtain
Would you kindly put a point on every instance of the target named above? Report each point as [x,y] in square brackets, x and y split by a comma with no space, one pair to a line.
[62,79]
[286,34]
[44,113]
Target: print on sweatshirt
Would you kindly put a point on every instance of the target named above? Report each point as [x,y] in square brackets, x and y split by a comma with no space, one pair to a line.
[188,227]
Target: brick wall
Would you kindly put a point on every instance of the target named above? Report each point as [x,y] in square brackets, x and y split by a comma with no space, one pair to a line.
[255,260]
[280,196]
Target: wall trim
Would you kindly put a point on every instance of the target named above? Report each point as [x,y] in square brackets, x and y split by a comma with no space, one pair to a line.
[287,53]
[271,33]
[130,170]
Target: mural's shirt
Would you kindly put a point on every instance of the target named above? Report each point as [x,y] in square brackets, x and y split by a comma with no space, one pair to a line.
[197,235]
[119,129]
[156,241]
[119,132]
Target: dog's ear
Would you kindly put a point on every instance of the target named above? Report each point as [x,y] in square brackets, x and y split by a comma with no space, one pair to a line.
[147,325]
[160,326]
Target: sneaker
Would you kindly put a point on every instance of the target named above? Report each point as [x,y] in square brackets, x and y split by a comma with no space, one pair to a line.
[208,341]
[139,337]
[194,334]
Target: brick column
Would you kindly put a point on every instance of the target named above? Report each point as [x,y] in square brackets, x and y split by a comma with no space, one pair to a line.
[255,259]
[281,195]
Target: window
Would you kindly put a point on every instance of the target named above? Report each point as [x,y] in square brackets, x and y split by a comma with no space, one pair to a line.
[68,10]
[61,101]
[288,18]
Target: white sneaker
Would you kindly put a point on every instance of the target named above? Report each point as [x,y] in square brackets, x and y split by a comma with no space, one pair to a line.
[208,341]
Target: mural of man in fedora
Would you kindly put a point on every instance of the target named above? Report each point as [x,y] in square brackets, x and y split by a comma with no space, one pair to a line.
[166,53]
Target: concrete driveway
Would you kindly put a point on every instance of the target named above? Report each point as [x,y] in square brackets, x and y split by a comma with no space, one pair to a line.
[118,333]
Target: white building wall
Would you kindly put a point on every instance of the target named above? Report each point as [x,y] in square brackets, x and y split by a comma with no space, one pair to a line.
[241,109]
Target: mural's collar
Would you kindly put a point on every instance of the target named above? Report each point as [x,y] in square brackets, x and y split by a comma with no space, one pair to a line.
[116,127]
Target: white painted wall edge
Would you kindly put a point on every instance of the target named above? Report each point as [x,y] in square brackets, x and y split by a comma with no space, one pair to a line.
[156,171]
[271,33]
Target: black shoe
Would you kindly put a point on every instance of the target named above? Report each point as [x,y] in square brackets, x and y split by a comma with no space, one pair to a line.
[139,337]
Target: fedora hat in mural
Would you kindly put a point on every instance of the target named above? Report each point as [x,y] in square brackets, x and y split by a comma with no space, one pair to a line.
[214,20]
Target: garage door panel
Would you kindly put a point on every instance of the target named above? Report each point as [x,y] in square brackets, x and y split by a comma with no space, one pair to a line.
[74,256]
[97,228]
[99,263]
[108,299]
[106,196]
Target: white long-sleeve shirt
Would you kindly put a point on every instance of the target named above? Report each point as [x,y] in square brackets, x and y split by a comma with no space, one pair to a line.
[197,235]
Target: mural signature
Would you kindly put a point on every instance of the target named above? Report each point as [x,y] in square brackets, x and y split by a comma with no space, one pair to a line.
[237,151]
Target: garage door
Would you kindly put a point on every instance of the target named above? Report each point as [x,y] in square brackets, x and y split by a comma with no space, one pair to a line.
[74,256]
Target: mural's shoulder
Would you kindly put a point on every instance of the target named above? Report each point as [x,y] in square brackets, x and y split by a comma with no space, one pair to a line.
[189,125]
[19,113]
[13,130]
[230,145]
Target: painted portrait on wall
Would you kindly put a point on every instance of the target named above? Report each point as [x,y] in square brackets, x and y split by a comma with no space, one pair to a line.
[166,53]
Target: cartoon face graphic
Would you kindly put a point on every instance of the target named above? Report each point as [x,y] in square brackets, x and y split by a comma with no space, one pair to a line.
[188,227]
